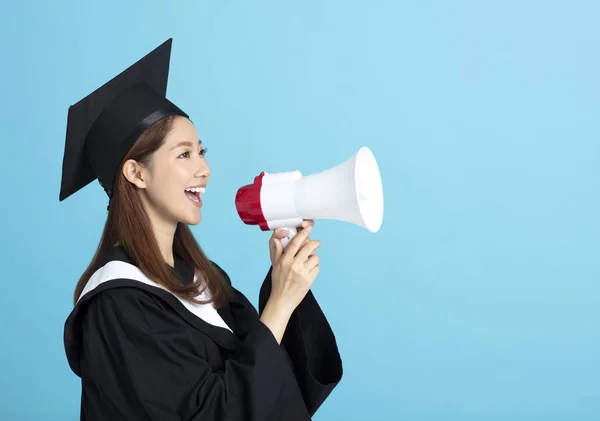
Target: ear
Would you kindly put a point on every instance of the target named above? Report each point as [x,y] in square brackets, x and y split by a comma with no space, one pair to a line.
[135,173]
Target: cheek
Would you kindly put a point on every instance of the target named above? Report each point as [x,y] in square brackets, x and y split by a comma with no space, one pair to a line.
[170,184]
[159,182]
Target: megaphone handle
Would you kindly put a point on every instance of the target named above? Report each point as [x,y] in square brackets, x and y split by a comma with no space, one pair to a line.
[292,232]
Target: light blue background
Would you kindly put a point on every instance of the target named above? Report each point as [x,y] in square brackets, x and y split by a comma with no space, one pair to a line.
[477,300]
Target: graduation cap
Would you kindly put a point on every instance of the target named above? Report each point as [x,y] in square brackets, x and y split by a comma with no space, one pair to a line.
[103,126]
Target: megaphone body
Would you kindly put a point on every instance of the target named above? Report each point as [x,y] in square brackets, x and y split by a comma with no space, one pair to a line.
[351,192]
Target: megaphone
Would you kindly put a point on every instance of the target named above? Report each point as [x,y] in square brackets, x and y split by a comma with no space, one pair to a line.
[351,192]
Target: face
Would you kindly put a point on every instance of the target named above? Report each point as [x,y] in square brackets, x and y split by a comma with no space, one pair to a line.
[174,181]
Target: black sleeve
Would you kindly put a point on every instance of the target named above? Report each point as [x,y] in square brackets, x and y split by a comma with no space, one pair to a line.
[311,346]
[137,364]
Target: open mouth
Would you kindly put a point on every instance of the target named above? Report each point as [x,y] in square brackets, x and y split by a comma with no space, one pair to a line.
[194,193]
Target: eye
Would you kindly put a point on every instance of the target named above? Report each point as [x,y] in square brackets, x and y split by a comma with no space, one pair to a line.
[185,153]
[203,151]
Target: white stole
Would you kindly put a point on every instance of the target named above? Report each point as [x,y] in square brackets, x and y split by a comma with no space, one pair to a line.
[116,269]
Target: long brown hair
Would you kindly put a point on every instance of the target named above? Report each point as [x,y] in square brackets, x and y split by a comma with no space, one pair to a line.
[128,224]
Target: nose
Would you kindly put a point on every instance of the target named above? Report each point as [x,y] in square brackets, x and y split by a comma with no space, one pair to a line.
[203,170]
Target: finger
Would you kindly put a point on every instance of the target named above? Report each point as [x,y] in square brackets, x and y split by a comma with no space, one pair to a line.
[314,272]
[280,233]
[306,223]
[305,243]
[312,261]
[305,251]
[278,250]
[297,242]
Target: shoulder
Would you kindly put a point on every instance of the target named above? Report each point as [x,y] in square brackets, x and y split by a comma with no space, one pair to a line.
[124,301]
[125,294]
[129,311]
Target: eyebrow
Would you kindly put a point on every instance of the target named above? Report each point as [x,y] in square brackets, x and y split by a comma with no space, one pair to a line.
[185,143]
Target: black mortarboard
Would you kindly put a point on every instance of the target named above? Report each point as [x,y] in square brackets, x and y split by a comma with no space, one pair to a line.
[102,127]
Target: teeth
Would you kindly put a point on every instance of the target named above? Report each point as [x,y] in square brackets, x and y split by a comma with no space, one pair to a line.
[196,189]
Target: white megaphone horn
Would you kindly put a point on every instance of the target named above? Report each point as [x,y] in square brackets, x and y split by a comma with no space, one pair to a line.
[351,191]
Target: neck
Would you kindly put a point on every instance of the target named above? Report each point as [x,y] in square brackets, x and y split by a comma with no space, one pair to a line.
[164,238]
[164,232]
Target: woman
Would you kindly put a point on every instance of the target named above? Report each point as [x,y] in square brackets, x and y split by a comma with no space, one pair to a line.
[158,331]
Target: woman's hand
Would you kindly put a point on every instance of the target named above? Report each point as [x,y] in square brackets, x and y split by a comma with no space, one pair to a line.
[295,269]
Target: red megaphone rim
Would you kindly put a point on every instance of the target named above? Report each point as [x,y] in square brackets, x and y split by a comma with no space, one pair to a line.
[247,203]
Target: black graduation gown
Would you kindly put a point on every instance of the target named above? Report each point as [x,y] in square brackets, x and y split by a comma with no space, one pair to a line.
[142,355]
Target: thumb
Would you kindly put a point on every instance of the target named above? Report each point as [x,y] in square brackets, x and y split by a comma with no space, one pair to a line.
[278,249]
[280,233]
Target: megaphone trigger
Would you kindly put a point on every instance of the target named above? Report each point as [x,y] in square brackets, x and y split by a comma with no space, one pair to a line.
[292,233]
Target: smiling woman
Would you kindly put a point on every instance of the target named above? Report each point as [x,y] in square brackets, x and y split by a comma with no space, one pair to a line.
[149,193]
[158,331]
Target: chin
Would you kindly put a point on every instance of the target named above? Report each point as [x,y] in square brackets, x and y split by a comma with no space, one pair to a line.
[192,220]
